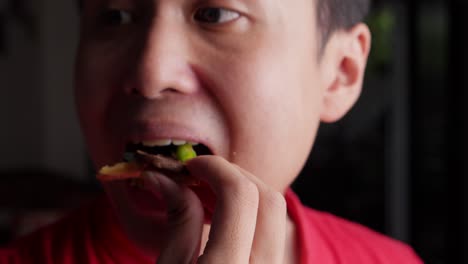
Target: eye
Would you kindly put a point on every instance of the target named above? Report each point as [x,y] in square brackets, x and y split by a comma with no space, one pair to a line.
[215,15]
[116,17]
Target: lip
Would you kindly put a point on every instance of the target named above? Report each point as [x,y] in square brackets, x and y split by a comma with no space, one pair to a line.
[151,131]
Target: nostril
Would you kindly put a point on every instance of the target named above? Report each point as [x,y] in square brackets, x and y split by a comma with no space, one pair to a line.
[170,90]
[152,94]
[134,91]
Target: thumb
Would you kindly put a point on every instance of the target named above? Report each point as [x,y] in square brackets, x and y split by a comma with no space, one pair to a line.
[184,217]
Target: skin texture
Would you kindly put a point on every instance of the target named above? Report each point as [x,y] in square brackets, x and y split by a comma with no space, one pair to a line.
[252,88]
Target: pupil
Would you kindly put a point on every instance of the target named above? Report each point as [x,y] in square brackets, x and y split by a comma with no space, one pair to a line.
[209,15]
[112,17]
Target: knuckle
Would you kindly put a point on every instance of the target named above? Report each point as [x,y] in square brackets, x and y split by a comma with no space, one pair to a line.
[182,213]
[275,200]
[242,186]
[247,188]
[244,189]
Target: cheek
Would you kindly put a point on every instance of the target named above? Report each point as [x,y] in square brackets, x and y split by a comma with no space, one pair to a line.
[276,120]
[99,73]
[270,95]
[94,82]
[89,90]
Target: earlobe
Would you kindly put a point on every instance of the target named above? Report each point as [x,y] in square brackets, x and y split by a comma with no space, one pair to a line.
[348,59]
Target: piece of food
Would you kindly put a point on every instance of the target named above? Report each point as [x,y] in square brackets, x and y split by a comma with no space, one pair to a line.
[160,162]
[168,159]
[120,171]
[185,152]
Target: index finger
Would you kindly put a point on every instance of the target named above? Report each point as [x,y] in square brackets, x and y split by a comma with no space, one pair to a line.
[234,219]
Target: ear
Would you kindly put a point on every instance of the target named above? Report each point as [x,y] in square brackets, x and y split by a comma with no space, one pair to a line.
[346,58]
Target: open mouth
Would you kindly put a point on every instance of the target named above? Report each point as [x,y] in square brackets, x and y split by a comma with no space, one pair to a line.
[161,156]
[166,147]
[167,156]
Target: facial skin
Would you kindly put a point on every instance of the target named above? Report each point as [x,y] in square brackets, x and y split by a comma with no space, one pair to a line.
[243,86]
[251,85]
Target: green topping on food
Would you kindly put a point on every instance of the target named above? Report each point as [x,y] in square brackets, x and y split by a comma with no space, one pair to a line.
[185,152]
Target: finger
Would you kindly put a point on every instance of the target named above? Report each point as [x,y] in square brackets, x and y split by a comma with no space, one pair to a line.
[137,223]
[233,223]
[185,219]
[270,233]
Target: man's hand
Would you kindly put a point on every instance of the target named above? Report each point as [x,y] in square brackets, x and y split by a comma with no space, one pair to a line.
[249,221]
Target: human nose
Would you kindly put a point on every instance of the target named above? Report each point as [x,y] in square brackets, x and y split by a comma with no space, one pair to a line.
[162,64]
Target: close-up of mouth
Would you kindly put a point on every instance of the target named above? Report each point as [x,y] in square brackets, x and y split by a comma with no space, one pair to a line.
[167,156]
[163,136]
[164,147]
[163,155]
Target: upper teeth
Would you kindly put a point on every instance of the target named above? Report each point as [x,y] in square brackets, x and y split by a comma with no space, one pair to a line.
[159,142]
[178,142]
[166,142]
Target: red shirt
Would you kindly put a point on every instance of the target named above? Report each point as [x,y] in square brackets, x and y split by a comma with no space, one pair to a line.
[91,235]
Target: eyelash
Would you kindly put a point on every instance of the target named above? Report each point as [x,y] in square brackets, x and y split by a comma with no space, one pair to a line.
[214,15]
[116,17]
[205,15]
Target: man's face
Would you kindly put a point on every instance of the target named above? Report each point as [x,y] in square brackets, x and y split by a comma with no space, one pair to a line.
[242,77]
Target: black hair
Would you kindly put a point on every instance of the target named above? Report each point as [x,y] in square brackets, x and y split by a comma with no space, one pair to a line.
[334,15]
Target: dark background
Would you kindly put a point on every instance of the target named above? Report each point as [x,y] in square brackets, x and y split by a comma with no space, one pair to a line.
[396,163]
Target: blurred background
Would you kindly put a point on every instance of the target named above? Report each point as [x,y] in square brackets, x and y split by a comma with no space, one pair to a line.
[397,163]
